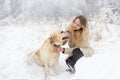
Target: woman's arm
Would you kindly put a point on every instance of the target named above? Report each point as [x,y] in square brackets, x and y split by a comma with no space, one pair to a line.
[67,50]
[64,50]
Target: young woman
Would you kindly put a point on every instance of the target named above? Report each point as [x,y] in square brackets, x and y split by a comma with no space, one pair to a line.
[78,42]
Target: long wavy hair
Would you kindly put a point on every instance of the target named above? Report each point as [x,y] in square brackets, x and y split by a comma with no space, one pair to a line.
[84,22]
[82,34]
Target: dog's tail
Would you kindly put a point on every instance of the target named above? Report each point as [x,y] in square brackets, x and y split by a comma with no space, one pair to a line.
[30,59]
[36,57]
[33,58]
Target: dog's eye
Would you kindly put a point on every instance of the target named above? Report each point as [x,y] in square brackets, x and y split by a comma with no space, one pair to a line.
[61,31]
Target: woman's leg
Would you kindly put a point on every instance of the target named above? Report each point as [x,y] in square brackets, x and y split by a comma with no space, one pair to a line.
[71,61]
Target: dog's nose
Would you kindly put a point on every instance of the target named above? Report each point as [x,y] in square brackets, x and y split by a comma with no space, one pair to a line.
[68,31]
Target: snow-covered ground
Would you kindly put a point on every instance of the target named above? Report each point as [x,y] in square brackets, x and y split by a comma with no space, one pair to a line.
[17,42]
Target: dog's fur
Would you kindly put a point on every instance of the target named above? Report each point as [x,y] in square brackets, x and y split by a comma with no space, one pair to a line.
[46,55]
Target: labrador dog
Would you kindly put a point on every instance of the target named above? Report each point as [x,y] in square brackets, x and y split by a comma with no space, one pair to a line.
[46,56]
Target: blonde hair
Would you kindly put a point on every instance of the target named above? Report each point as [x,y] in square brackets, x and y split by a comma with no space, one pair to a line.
[82,34]
[84,22]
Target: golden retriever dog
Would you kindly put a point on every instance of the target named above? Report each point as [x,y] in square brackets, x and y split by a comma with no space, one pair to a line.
[46,55]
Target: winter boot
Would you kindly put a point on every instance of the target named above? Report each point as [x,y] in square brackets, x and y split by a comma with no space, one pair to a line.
[71,61]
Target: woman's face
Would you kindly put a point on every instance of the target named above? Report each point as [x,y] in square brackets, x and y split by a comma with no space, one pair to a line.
[76,24]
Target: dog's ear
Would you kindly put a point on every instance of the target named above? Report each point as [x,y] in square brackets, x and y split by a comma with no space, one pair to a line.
[52,38]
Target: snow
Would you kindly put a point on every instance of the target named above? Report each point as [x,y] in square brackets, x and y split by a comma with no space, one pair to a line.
[19,41]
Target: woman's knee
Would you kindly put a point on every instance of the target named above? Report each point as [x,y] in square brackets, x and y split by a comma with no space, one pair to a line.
[77,52]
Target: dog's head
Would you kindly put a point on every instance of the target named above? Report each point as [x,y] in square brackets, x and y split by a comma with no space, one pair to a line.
[59,37]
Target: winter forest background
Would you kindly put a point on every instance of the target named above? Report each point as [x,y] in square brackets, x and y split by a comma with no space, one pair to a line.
[25,24]
[39,9]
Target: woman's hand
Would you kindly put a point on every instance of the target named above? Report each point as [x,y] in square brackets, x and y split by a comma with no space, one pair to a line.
[58,49]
